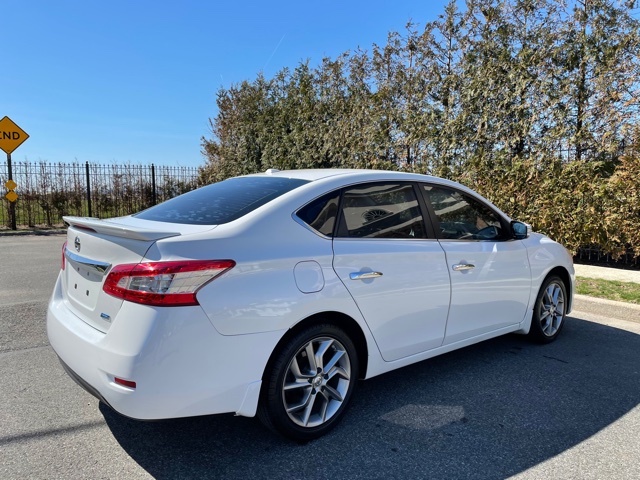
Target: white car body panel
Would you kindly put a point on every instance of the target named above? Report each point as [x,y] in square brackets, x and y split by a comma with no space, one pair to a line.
[184,364]
[378,366]
[492,295]
[82,284]
[406,308]
[545,255]
[133,228]
[210,358]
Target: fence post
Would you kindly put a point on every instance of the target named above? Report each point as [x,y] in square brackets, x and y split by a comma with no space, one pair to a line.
[88,188]
[12,205]
[153,183]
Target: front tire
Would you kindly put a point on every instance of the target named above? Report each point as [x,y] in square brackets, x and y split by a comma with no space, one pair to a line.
[310,383]
[549,311]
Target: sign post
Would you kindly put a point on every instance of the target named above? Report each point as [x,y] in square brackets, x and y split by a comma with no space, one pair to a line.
[11,195]
[11,137]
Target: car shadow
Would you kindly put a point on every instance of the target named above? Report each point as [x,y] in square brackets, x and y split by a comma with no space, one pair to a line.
[491,410]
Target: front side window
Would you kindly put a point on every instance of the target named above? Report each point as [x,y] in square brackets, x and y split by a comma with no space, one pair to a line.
[381,210]
[462,217]
[221,202]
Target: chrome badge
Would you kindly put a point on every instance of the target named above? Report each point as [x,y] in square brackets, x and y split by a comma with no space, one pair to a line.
[76,243]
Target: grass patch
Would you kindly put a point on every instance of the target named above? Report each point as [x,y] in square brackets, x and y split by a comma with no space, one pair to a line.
[610,289]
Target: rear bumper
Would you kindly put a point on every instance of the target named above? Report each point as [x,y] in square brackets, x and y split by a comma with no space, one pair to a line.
[88,388]
[181,365]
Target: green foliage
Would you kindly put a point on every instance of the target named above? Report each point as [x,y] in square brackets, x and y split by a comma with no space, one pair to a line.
[534,103]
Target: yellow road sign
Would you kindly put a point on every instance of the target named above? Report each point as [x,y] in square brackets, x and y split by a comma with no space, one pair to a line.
[11,135]
[11,196]
[10,184]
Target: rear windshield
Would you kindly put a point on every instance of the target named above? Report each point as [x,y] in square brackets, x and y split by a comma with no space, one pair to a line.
[221,202]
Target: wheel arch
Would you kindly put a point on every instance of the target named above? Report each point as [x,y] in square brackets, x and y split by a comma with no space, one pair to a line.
[340,320]
[566,278]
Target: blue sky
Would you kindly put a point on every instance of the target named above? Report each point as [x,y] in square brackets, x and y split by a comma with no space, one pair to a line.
[136,81]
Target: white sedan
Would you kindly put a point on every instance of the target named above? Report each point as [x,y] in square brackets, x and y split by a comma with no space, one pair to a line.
[272,294]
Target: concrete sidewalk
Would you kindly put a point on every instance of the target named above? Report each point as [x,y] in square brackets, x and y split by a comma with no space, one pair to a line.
[606,273]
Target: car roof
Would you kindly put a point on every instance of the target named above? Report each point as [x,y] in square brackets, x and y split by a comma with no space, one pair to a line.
[323,173]
[343,175]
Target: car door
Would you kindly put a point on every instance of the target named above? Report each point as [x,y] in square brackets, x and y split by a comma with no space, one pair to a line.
[394,271]
[490,273]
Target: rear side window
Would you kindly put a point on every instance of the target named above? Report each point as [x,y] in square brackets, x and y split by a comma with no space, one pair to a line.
[221,202]
[321,213]
[381,210]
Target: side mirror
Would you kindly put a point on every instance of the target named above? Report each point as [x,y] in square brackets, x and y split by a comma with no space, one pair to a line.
[520,230]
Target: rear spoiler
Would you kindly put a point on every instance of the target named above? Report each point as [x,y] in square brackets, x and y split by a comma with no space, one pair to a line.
[109,227]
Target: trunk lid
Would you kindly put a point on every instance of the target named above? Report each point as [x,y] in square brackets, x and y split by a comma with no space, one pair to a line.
[95,246]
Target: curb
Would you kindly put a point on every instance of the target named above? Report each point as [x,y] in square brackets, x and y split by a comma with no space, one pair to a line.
[629,312]
[17,233]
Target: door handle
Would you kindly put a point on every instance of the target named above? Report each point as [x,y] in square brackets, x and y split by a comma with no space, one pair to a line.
[364,275]
[459,267]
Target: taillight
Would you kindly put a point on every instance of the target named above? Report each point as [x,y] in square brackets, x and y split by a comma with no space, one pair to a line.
[64,248]
[169,284]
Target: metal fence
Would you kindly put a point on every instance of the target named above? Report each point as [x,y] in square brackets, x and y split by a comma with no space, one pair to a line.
[593,255]
[47,191]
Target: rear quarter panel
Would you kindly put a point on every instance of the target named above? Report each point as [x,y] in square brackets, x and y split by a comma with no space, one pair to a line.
[260,293]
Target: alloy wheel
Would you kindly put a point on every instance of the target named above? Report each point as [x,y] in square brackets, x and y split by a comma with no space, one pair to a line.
[316,382]
[552,309]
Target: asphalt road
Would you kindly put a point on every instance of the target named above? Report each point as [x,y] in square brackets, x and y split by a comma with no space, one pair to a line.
[503,408]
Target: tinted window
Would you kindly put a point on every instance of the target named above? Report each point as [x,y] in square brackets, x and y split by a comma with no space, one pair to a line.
[321,213]
[382,211]
[221,202]
[462,217]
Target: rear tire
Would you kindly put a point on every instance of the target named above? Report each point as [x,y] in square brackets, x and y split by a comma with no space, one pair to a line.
[310,383]
[549,311]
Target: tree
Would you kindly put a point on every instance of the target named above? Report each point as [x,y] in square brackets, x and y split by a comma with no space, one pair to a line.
[597,77]
[533,103]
